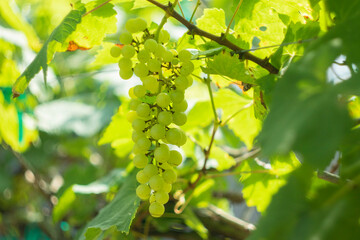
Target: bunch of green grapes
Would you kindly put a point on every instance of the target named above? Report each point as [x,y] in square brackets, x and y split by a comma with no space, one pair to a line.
[157,108]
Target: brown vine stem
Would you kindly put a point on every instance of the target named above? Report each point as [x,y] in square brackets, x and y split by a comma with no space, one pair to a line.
[219,39]
[233,17]
[96,8]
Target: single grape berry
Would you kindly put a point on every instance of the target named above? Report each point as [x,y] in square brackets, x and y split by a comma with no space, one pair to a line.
[177,96]
[162,153]
[180,107]
[168,56]
[163,100]
[143,191]
[140,160]
[161,197]
[187,68]
[115,51]
[131,116]
[154,65]
[167,187]
[134,103]
[126,74]
[139,91]
[138,124]
[150,83]
[150,170]
[179,118]
[156,182]
[181,83]
[182,139]
[128,51]
[173,135]
[165,118]
[141,70]
[143,143]
[184,56]
[126,38]
[143,56]
[169,175]
[141,177]
[143,110]
[164,36]
[175,158]
[150,45]
[156,209]
[125,64]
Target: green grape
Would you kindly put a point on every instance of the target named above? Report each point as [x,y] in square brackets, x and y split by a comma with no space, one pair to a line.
[181,83]
[131,116]
[184,56]
[187,68]
[137,150]
[138,124]
[126,38]
[177,96]
[150,170]
[125,64]
[134,103]
[141,177]
[157,131]
[150,45]
[162,153]
[179,118]
[131,93]
[141,24]
[154,65]
[143,110]
[175,61]
[165,118]
[169,176]
[182,139]
[115,51]
[156,182]
[161,197]
[175,158]
[163,100]
[136,135]
[141,70]
[180,107]
[164,36]
[156,209]
[139,91]
[164,165]
[152,198]
[126,74]
[143,56]
[140,160]
[159,51]
[168,56]
[167,187]
[143,191]
[190,81]
[150,83]
[173,135]
[143,143]
[128,51]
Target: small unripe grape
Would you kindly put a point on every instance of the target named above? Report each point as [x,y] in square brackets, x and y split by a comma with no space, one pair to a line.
[161,197]
[150,83]
[177,96]
[168,56]
[152,198]
[180,107]
[184,56]
[181,83]
[150,45]
[157,131]
[179,118]
[143,110]
[187,68]
[167,187]
[126,74]
[175,61]
[138,124]
[140,160]
[143,56]
[115,51]
[156,182]
[156,209]
[144,143]
[163,100]
[131,116]
[134,103]
[139,91]
[125,64]
[150,170]
[173,135]
[136,135]
[175,158]
[154,65]
[136,25]
[169,176]
[160,50]
[182,139]
[126,38]
[162,153]
[141,177]
[141,70]
[143,191]
[190,81]
[164,36]
[128,51]
[131,93]
[165,165]
[141,24]
[137,150]
[165,118]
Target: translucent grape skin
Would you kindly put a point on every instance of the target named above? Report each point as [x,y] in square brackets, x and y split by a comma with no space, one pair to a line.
[156,209]
[143,110]
[140,160]
[161,197]
[165,118]
[126,38]
[179,118]
[150,45]
[143,191]
[169,176]
[157,131]
[175,158]
[162,153]
[150,170]
[115,51]
[141,177]
[163,100]
[156,182]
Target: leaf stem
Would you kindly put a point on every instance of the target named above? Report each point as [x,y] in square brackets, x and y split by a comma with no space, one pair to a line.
[233,17]
[219,39]
[196,7]
[208,82]
[96,8]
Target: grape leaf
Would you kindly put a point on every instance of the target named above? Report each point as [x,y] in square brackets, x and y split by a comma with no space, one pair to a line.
[213,21]
[120,212]
[143,3]
[224,160]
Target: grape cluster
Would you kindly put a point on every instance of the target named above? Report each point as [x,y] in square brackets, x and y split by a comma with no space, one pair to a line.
[157,107]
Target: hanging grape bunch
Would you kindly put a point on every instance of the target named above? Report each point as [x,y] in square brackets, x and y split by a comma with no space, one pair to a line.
[157,106]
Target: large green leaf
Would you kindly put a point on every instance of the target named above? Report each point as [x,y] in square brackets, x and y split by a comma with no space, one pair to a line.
[120,212]
[52,45]
[213,21]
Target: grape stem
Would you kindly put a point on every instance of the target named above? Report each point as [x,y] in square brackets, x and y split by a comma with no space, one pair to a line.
[96,8]
[233,17]
[196,7]
[219,39]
